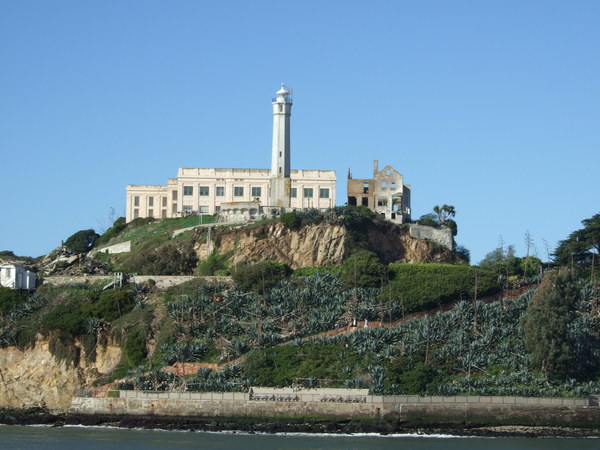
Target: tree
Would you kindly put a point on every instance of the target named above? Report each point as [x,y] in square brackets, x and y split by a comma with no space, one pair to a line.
[118,226]
[82,241]
[582,246]
[553,308]
[260,277]
[364,268]
[463,253]
[442,216]
[500,260]
[444,213]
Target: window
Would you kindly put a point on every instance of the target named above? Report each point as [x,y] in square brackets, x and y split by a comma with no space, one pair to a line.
[8,272]
[136,201]
[204,191]
[163,213]
[324,193]
[204,209]
[238,191]
[174,195]
[256,192]
[384,185]
[150,213]
[150,202]
[187,209]
[220,191]
[366,187]
[164,202]
[393,184]
[136,213]
[188,190]
[293,192]
[308,192]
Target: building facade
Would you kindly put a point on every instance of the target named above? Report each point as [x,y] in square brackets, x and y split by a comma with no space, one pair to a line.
[15,276]
[239,194]
[385,193]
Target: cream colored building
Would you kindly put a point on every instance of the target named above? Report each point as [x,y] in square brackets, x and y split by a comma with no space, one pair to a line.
[239,194]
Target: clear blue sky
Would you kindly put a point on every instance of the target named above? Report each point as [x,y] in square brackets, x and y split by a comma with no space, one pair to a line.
[490,106]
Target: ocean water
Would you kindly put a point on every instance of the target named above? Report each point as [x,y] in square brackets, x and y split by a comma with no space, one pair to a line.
[79,437]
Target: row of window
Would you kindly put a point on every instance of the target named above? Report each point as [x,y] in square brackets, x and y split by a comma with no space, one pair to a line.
[136,201]
[238,191]
[384,185]
[204,191]
[309,193]
[136,213]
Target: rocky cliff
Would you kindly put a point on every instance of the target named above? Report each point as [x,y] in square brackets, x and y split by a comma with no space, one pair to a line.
[35,378]
[322,244]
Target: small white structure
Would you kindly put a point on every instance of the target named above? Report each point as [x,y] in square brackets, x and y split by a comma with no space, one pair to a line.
[15,276]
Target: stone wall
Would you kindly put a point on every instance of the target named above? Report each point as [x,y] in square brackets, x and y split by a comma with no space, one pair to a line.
[162,282]
[333,404]
[442,236]
[121,247]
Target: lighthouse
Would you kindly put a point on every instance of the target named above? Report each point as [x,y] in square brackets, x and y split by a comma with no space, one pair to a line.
[280,156]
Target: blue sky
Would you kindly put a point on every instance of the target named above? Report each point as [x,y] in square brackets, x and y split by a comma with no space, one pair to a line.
[490,106]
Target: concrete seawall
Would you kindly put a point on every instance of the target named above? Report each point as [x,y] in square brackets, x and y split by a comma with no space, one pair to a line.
[343,404]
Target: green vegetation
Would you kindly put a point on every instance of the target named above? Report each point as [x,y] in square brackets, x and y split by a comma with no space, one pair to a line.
[82,241]
[442,216]
[282,330]
[364,268]
[118,226]
[423,286]
[506,264]
[582,248]
[558,333]
[84,313]
[176,257]
[260,277]
[215,264]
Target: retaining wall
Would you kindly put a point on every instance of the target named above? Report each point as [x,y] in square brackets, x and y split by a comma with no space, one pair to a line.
[121,247]
[161,281]
[442,236]
[338,404]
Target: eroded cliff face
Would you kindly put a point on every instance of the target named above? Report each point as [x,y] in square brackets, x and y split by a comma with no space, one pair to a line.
[35,378]
[395,244]
[322,244]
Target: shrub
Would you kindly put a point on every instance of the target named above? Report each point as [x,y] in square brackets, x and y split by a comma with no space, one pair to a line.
[364,269]
[215,264]
[291,220]
[260,277]
[82,241]
[69,317]
[118,226]
[113,304]
[172,258]
[9,298]
[308,271]
[422,286]
[135,347]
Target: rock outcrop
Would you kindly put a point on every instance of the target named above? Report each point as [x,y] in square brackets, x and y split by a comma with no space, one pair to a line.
[34,377]
[322,244]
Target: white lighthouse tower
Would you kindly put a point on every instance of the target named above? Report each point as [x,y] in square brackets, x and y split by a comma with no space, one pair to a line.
[280,157]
